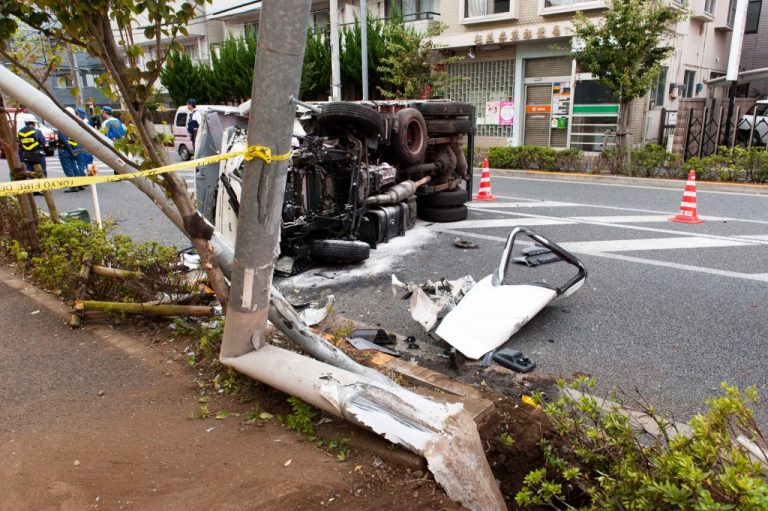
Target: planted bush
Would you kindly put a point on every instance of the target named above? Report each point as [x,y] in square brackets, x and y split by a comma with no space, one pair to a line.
[534,158]
[653,160]
[597,460]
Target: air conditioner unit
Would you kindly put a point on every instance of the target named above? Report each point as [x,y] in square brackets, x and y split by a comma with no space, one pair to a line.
[673,90]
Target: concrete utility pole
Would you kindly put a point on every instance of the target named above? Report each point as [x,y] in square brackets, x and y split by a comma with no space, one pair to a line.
[276,78]
[79,101]
[734,60]
[335,57]
[364,45]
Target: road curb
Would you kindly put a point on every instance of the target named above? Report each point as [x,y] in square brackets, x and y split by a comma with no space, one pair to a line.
[753,189]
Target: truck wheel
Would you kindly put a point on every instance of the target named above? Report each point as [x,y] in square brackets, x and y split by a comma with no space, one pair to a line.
[443,214]
[448,126]
[447,199]
[184,153]
[339,251]
[337,118]
[410,141]
[444,108]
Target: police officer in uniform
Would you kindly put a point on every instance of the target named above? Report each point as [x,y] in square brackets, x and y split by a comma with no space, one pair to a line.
[32,148]
[68,151]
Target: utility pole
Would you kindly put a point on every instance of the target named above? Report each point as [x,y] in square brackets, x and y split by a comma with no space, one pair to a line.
[364,45]
[335,57]
[276,79]
[79,101]
[734,59]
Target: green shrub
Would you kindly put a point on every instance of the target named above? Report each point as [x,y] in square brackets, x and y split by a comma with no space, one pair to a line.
[598,462]
[651,160]
[56,263]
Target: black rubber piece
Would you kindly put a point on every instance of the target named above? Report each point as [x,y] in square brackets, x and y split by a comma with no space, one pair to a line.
[443,214]
[184,153]
[340,117]
[443,108]
[339,251]
[447,199]
[410,142]
[448,126]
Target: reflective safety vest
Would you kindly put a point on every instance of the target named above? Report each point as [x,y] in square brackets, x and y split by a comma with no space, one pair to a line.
[72,142]
[27,140]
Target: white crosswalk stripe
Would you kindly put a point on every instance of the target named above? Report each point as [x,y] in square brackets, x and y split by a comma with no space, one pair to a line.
[517,212]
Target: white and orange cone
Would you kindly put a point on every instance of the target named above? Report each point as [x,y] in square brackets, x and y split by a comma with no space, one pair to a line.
[687,213]
[485,184]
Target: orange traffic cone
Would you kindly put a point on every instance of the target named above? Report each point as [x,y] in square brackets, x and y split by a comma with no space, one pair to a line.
[687,213]
[485,184]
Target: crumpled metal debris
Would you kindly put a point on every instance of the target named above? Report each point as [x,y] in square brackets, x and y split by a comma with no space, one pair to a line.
[312,316]
[464,243]
[431,301]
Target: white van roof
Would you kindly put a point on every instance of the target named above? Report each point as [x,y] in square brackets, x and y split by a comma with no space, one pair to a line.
[218,108]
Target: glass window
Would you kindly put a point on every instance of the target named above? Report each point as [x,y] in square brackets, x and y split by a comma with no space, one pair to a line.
[181,119]
[659,90]
[251,28]
[480,8]
[592,92]
[753,16]
[689,81]
[410,9]
[566,3]
[320,19]
[62,82]
[731,12]
[709,6]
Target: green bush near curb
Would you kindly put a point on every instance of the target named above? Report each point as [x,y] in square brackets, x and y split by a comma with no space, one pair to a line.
[737,164]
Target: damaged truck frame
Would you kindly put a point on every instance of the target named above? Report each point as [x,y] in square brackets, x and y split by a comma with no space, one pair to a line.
[359,174]
[444,433]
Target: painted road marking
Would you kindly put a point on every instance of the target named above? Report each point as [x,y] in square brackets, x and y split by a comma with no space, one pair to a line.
[522,204]
[526,216]
[757,277]
[591,247]
[620,185]
[504,222]
[629,219]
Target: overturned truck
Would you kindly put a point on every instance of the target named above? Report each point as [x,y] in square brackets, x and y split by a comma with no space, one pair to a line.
[359,175]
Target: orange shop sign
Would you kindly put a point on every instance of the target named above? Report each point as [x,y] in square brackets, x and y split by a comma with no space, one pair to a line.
[538,109]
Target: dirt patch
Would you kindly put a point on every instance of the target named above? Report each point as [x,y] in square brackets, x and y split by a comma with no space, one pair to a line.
[113,420]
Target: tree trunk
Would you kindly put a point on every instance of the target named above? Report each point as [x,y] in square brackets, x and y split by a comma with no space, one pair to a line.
[623,140]
[276,77]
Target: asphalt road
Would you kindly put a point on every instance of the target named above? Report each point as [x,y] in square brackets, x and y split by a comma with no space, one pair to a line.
[669,309]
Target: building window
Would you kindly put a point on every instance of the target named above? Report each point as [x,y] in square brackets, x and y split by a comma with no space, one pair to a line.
[251,29]
[731,12]
[659,90]
[709,6]
[483,8]
[412,10]
[320,19]
[63,82]
[753,16]
[689,82]
[571,4]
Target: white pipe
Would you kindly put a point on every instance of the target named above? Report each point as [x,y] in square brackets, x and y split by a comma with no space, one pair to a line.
[96,208]
[444,433]
[335,54]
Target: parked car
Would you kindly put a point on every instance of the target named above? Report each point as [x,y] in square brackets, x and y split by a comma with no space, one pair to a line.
[181,141]
[758,119]
[359,175]
[48,133]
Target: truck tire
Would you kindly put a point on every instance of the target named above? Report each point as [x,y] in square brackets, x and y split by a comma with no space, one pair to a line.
[448,126]
[410,142]
[443,214]
[337,118]
[447,199]
[444,109]
[339,251]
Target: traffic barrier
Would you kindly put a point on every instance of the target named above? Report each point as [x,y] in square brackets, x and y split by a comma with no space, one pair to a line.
[485,184]
[687,213]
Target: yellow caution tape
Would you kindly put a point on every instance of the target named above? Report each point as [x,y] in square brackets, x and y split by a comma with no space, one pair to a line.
[529,401]
[43,185]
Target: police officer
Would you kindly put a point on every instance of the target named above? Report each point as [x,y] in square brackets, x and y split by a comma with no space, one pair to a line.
[193,124]
[32,148]
[68,159]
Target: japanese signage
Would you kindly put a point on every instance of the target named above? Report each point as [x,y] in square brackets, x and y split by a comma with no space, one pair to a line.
[492,112]
[506,113]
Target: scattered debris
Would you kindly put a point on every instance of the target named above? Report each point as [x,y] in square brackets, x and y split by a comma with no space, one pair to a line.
[430,301]
[410,343]
[363,344]
[513,359]
[464,243]
[376,335]
[312,316]
[493,311]
[536,255]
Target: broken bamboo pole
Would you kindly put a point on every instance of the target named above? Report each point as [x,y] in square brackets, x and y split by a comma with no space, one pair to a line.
[150,309]
[82,285]
[116,273]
